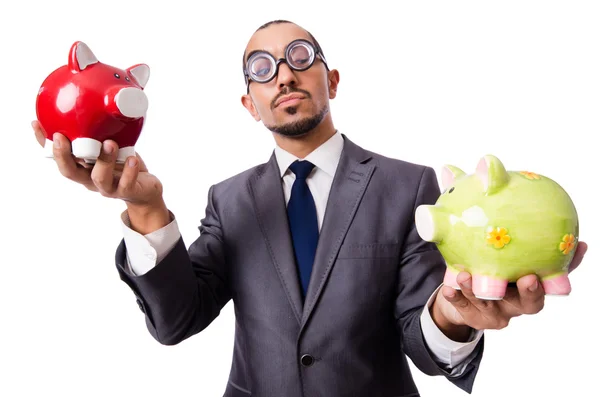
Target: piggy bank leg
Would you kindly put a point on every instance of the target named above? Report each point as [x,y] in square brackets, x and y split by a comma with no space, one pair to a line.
[49,149]
[87,149]
[557,284]
[489,288]
[450,277]
[124,153]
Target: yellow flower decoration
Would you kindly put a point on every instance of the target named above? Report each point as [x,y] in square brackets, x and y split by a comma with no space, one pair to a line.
[497,236]
[567,244]
[530,175]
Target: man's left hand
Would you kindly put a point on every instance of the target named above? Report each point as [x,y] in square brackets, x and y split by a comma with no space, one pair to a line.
[456,312]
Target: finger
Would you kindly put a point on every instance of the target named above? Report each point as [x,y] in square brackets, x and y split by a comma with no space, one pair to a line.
[578,256]
[102,173]
[61,148]
[459,301]
[39,132]
[465,281]
[83,163]
[527,298]
[128,180]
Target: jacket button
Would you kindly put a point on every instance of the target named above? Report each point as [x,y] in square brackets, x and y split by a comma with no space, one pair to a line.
[307,360]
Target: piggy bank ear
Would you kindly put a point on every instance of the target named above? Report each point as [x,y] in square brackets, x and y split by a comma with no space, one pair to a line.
[80,57]
[492,174]
[141,73]
[449,174]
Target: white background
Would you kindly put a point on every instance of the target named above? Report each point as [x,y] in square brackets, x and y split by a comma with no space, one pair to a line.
[429,82]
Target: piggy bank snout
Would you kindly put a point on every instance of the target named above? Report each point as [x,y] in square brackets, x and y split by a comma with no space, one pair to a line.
[424,222]
[131,102]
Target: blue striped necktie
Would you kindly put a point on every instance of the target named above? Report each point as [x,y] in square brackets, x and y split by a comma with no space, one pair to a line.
[302,216]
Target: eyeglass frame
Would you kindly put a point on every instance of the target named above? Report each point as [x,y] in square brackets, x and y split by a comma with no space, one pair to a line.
[278,61]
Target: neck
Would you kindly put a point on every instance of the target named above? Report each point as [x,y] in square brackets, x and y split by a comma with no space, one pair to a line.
[303,145]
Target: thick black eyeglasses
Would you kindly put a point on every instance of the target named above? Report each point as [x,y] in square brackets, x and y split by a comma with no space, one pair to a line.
[262,67]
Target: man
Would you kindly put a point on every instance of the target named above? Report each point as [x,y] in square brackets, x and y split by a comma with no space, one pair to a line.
[332,287]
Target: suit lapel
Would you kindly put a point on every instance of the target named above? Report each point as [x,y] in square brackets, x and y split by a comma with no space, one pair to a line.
[269,202]
[349,184]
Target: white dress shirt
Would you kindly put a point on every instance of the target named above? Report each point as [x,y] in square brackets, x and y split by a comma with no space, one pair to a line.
[145,251]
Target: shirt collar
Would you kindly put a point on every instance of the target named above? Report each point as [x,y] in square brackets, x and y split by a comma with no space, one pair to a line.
[326,157]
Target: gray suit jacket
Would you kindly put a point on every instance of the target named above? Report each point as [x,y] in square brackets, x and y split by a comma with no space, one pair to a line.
[370,281]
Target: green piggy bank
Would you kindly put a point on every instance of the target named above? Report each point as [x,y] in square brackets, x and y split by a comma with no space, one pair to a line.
[501,225]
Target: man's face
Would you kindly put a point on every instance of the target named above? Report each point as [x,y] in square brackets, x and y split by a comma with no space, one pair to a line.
[293,102]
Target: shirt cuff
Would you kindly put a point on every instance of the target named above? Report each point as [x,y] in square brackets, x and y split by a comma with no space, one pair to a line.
[446,351]
[145,251]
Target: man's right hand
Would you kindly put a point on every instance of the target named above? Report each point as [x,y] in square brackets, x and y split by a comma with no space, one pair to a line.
[130,182]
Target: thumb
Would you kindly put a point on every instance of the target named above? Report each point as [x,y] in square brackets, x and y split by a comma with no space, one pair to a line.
[449,303]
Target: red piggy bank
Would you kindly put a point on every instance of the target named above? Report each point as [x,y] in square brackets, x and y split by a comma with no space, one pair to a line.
[89,102]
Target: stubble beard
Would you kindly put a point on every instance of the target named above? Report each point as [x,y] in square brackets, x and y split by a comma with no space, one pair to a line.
[301,127]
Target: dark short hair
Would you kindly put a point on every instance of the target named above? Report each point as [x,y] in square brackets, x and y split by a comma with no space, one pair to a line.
[277,22]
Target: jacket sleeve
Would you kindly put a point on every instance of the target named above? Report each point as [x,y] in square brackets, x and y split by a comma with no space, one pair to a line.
[421,272]
[187,289]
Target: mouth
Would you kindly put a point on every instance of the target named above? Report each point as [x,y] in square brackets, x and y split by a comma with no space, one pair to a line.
[291,99]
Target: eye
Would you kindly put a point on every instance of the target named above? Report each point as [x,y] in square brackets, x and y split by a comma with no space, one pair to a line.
[301,61]
[262,72]
[451,190]
[127,78]
[300,56]
[117,75]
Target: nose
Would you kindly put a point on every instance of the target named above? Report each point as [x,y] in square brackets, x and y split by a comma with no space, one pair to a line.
[132,102]
[285,76]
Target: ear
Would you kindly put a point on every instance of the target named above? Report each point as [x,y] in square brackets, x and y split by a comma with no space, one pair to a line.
[492,174]
[141,73]
[333,79]
[449,174]
[249,105]
[80,57]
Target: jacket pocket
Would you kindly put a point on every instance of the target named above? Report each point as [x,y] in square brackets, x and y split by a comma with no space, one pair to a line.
[369,250]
